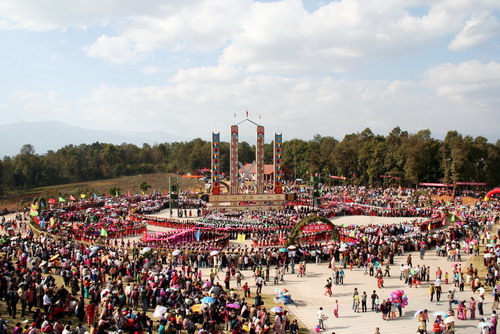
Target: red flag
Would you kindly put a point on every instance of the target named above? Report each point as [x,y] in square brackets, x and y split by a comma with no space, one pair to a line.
[128,193]
[71,198]
[247,113]
[52,201]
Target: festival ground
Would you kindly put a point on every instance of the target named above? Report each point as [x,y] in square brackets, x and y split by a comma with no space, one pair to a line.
[308,291]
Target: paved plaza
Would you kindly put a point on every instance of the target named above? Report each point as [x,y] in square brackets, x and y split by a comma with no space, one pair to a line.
[308,293]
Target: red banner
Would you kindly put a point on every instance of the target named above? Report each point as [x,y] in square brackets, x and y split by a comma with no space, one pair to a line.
[338,177]
[316,228]
[428,184]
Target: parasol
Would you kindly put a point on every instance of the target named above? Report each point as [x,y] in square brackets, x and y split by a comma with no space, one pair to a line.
[483,324]
[277,309]
[54,257]
[448,320]
[176,252]
[439,313]
[159,311]
[417,313]
[208,300]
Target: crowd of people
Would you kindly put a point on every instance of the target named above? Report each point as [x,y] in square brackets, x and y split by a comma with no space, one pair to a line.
[81,264]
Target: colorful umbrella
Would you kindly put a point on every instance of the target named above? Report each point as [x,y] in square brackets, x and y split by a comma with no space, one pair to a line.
[159,311]
[417,313]
[208,300]
[54,257]
[441,313]
[483,324]
[277,309]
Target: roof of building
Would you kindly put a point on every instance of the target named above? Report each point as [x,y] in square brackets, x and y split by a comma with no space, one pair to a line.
[268,169]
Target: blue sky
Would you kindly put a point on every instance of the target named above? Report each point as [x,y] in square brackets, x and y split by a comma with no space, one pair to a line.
[307,67]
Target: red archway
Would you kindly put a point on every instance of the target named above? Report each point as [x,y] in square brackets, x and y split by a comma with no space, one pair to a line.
[491,193]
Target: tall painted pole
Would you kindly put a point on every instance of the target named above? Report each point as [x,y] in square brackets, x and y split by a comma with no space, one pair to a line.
[233,160]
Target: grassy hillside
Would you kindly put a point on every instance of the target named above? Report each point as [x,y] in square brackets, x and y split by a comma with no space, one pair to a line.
[158,182]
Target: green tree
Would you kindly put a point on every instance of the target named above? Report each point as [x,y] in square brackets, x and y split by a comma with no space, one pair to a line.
[144,186]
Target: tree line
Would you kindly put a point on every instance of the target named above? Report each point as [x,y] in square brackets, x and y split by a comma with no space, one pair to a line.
[408,158]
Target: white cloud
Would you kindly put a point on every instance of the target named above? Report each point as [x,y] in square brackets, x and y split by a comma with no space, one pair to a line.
[198,101]
[60,14]
[471,81]
[476,30]
[150,70]
[284,38]
[116,50]
[275,58]
[278,37]
[36,104]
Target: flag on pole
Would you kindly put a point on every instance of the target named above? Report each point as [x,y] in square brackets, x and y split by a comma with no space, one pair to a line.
[128,194]
[104,233]
[82,195]
[116,194]
[52,221]
[95,195]
[42,223]
[52,201]
[247,113]
[61,199]
[72,198]
[34,210]
[198,235]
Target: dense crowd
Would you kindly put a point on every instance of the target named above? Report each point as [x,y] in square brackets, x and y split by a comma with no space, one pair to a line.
[110,284]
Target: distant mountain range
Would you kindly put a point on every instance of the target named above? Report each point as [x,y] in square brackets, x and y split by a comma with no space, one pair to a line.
[45,136]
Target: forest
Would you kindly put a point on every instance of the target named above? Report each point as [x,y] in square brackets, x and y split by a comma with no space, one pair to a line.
[407,158]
